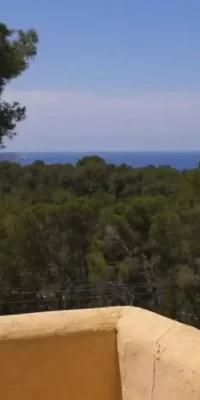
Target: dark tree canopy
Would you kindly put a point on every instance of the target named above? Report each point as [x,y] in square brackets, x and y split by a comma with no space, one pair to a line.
[90,159]
[17,48]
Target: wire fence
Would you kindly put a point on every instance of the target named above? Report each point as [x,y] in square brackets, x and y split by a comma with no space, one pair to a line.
[147,291]
[19,301]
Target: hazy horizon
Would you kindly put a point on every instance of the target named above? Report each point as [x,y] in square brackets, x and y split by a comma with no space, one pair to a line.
[96,152]
[109,76]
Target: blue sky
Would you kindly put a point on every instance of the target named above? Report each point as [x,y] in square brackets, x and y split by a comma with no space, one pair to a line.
[109,75]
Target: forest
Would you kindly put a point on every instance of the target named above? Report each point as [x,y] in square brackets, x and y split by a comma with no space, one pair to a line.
[96,234]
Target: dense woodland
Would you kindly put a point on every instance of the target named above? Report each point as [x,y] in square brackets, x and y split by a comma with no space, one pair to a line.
[96,234]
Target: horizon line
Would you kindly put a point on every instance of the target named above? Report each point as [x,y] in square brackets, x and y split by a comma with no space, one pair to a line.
[101,151]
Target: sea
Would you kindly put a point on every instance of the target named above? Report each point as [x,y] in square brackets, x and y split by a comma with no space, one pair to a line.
[180,160]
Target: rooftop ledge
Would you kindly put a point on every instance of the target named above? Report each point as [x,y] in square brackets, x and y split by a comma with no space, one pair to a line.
[120,353]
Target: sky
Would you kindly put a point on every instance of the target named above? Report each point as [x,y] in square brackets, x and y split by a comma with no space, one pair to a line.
[109,75]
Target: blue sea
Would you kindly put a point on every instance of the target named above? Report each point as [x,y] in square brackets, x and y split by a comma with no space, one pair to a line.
[179,160]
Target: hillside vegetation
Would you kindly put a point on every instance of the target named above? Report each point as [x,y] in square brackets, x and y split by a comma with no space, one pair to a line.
[97,234]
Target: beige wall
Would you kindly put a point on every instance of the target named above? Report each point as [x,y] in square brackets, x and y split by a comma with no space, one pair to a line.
[77,355]
[159,358]
[59,356]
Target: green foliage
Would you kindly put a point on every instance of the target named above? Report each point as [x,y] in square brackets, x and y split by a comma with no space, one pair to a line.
[96,234]
[17,48]
[90,159]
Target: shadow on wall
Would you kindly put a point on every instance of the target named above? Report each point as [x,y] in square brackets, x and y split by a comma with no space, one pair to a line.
[101,354]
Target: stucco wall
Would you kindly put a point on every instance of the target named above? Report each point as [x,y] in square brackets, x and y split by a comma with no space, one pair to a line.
[159,358]
[97,355]
[60,356]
